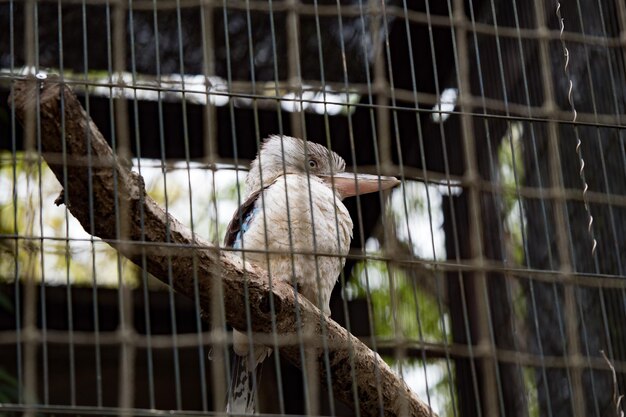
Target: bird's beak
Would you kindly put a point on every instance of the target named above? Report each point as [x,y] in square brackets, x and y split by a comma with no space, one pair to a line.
[348,184]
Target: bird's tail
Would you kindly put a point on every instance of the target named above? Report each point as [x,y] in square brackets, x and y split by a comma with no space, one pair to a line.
[242,391]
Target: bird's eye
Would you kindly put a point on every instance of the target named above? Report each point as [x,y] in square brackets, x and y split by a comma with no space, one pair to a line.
[312,163]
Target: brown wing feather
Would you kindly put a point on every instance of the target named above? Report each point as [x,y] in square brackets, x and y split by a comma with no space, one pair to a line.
[234,227]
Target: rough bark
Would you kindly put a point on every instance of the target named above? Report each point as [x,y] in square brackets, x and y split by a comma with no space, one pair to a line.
[129,220]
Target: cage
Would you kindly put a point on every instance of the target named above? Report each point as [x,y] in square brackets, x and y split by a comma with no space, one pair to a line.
[489,283]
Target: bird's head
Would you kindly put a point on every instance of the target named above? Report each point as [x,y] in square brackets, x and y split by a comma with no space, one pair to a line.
[281,155]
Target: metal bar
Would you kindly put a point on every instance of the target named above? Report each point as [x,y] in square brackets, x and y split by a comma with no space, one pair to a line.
[353,11]
[483,321]
[418,349]
[244,90]
[559,213]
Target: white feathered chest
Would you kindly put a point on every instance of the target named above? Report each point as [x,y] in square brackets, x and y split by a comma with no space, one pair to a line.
[288,224]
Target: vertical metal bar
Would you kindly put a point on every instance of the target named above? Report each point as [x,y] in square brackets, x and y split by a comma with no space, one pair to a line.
[167,204]
[621,15]
[31,132]
[281,130]
[31,61]
[559,213]
[201,354]
[119,66]
[294,78]
[594,104]
[383,132]
[16,230]
[384,86]
[233,134]
[493,167]
[531,284]
[128,351]
[381,89]
[298,129]
[68,281]
[121,146]
[483,319]
[508,399]
[326,359]
[372,114]
[386,147]
[277,368]
[94,277]
[579,293]
[432,232]
[219,354]
[455,234]
[612,343]
[144,273]
[523,223]
[329,145]
[208,67]
[111,95]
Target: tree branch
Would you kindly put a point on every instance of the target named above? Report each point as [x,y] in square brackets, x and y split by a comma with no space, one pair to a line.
[134,224]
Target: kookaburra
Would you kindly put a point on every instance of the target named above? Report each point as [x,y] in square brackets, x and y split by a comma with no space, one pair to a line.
[293,210]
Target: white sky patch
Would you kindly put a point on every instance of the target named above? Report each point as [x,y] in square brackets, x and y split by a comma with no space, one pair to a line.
[418,221]
[371,277]
[210,207]
[446,103]
[423,383]
[372,245]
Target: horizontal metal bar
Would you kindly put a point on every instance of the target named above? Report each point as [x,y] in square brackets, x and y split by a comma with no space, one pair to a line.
[355,11]
[395,347]
[244,90]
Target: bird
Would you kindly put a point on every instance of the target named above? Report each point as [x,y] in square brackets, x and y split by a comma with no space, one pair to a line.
[292,211]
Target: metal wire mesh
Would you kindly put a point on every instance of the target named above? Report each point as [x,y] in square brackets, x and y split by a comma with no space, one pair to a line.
[491,281]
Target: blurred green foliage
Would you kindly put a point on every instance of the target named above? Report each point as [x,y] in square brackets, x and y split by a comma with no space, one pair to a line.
[511,170]
[402,310]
